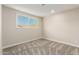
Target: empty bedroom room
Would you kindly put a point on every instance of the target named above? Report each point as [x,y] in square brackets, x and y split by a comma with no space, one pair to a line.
[40,29]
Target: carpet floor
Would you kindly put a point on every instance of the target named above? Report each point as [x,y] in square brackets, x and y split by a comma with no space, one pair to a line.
[41,47]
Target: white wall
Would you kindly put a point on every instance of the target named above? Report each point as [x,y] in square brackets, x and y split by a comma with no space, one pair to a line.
[63,27]
[10,34]
[0,31]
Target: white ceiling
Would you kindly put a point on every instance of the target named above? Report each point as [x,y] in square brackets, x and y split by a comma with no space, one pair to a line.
[39,10]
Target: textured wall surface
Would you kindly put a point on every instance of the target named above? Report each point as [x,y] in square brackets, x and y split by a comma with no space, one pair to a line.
[0,29]
[63,27]
[11,36]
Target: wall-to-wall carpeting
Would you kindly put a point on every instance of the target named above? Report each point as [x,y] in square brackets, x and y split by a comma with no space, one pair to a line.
[41,47]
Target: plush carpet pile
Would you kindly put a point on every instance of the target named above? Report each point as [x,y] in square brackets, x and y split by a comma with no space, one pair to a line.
[41,47]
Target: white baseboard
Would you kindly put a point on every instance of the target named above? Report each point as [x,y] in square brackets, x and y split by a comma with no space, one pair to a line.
[20,43]
[67,43]
[39,38]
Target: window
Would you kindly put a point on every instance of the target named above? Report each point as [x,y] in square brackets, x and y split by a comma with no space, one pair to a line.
[23,22]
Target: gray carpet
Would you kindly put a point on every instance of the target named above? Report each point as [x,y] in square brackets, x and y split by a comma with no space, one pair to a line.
[41,47]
